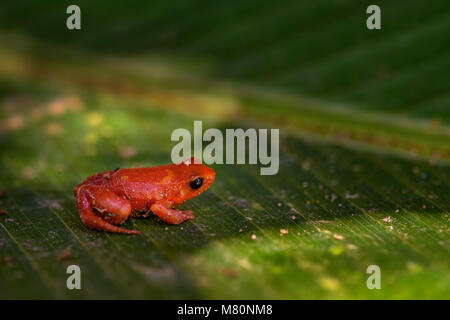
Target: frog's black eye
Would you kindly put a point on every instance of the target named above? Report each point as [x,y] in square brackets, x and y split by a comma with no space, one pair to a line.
[196,183]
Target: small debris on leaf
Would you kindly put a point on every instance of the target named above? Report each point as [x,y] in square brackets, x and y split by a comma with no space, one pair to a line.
[65,254]
[338,236]
[53,129]
[228,272]
[351,196]
[28,173]
[293,210]
[322,221]
[15,122]
[128,152]
[243,203]
[55,205]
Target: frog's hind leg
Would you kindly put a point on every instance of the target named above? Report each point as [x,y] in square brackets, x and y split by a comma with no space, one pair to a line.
[112,208]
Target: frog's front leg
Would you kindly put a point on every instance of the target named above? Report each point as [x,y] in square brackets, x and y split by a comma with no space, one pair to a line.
[112,208]
[163,209]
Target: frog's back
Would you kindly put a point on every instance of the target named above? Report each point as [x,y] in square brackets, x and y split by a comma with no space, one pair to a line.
[151,175]
[96,179]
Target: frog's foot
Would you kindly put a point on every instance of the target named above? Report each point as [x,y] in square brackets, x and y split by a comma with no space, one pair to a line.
[171,216]
[111,209]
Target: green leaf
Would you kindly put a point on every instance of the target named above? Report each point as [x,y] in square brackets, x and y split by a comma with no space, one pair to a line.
[355,188]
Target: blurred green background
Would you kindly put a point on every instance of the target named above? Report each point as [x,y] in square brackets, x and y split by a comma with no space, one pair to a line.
[364,148]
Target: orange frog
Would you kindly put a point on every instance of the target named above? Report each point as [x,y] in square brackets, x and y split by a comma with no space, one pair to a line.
[107,199]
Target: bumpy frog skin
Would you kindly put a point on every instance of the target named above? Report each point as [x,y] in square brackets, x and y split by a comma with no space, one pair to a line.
[107,199]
